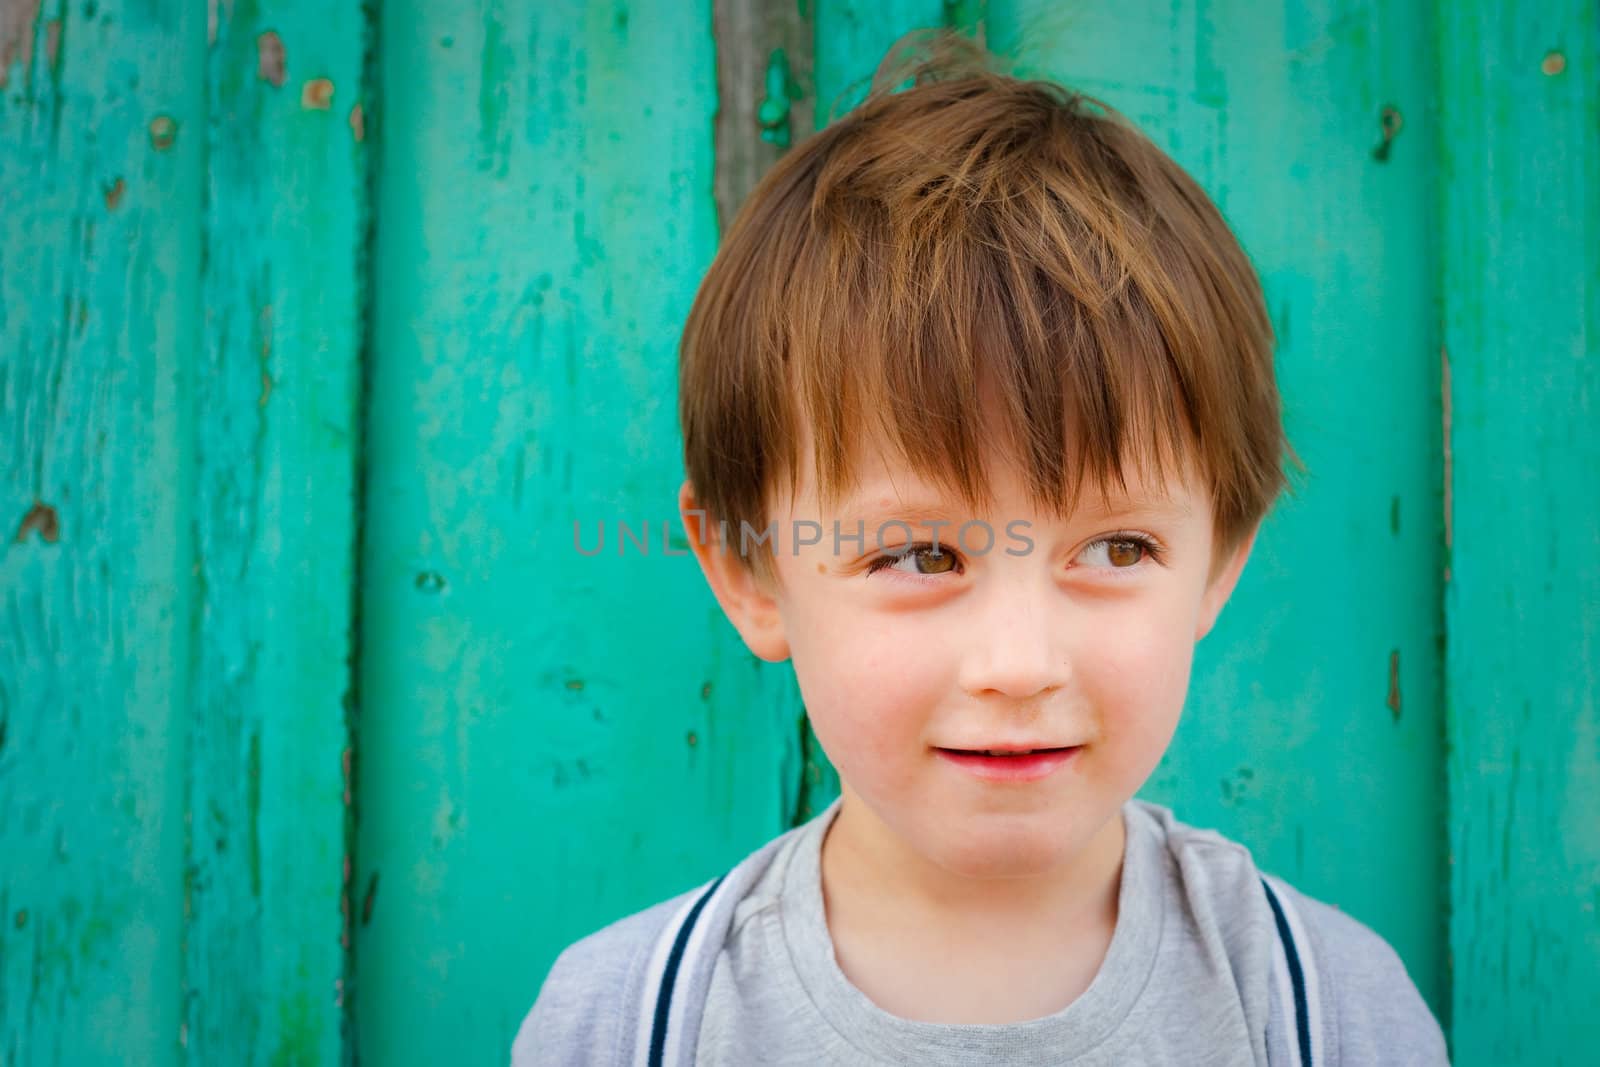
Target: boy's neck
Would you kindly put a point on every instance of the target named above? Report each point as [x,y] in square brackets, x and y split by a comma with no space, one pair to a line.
[871,872]
[1026,947]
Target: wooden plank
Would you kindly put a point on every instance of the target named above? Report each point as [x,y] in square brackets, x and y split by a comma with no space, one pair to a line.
[277,435]
[1311,728]
[102,141]
[765,93]
[548,740]
[852,39]
[1520,89]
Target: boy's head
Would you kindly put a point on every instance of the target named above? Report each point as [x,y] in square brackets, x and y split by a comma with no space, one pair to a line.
[993,302]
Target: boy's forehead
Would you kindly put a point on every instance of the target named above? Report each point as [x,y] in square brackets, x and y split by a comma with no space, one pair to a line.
[883,485]
[908,498]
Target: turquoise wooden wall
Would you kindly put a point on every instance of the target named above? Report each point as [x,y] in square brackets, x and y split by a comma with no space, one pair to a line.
[321,324]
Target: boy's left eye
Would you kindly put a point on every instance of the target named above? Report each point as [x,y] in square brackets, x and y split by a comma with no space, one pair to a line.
[1125,552]
[940,560]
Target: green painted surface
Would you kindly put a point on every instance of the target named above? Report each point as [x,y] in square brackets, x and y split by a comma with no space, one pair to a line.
[851,39]
[548,740]
[179,302]
[1521,312]
[99,320]
[198,660]
[276,443]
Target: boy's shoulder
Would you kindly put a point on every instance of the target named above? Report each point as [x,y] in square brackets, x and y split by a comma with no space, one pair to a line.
[1362,1004]
[598,1002]
[583,1002]
[1373,1011]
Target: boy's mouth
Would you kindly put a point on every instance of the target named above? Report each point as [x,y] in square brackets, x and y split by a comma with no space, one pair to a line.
[1010,764]
[1006,751]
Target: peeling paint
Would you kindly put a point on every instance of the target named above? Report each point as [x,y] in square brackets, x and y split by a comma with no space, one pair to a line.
[773,114]
[16,34]
[177,945]
[163,132]
[358,123]
[317,95]
[271,59]
[1390,120]
[41,517]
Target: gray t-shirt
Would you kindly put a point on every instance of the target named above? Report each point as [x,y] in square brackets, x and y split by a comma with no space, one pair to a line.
[1192,976]
[1185,980]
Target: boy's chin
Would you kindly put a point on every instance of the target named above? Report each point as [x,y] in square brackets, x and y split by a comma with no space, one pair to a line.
[990,868]
[1007,849]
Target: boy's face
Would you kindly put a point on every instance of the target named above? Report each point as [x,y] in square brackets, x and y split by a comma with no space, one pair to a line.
[1075,641]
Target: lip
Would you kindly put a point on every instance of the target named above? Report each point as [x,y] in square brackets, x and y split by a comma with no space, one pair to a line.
[1010,768]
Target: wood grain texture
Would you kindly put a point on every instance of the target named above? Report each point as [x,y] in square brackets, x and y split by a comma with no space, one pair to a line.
[179,283]
[852,37]
[277,435]
[1520,200]
[765,93]
[102,139]
[549,740]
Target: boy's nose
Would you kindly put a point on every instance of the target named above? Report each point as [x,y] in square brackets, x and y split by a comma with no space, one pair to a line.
[1015,646]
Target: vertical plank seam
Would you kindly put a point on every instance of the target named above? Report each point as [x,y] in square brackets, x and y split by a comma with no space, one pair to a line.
[372,122]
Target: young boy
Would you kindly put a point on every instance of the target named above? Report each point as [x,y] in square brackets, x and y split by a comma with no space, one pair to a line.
[934,324]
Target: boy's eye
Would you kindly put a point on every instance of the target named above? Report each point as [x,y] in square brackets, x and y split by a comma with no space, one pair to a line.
[1124,552]
[920,558]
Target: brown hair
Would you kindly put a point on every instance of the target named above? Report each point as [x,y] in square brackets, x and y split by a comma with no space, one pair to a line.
[979,235]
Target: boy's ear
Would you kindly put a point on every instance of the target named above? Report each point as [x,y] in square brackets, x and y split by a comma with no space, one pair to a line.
[1220,586]
[746,601]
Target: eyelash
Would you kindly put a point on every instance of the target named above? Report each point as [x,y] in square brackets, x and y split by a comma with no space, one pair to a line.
[1155,553]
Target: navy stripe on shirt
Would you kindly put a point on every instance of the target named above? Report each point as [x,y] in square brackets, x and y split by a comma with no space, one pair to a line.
[1302,1028]
[658,1032]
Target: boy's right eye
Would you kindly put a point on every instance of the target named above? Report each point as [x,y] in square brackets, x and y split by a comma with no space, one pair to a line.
[919,558]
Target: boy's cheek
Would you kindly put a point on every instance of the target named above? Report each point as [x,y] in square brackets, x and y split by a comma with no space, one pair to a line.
[866,719]
[1141,662]
[870,727]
